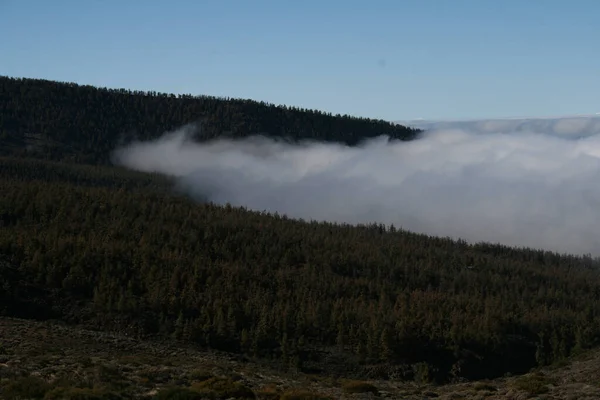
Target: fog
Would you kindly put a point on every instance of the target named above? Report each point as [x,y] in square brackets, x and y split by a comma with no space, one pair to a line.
[567,126]
[505,185]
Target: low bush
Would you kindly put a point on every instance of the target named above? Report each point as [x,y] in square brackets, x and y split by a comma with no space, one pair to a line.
[30,387]
[73,393]
[177,393]
[223,388]
[359,387]
[533,384]
[303,395]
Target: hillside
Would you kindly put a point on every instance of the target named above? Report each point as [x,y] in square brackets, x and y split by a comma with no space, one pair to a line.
[70,122]
[117,251]
[49,359]
[116,260]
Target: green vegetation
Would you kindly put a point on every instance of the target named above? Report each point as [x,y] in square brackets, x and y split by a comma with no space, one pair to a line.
[30,387]
[222,388]
[117,251]
[75,393]
[177,393]
[359,387]
[483,386]
[69,122]
[34,387]
[303,395]
[213,388]
[123,254]
[534,384]
[65,360]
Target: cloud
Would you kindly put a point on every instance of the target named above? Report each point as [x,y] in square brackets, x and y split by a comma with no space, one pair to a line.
[521,188]
[568,127]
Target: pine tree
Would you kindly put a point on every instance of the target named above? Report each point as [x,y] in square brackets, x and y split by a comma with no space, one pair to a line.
[179,326]
[385,345]
[245,341]
[541,355]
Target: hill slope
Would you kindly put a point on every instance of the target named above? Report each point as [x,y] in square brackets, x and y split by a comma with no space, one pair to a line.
[109,249]
[65,121]
[64,362]
[112,250]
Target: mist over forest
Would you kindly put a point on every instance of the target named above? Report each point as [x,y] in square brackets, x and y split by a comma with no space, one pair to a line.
[314,243]
[516,182]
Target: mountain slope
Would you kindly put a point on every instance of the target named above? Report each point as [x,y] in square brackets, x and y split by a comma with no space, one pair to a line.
[111,250]
[57,360]
[96,247]
[65,121]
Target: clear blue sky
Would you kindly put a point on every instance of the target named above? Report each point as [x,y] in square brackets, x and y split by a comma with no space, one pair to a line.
[397,59]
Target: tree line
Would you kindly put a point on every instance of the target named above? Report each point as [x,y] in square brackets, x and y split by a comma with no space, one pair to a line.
[81,123]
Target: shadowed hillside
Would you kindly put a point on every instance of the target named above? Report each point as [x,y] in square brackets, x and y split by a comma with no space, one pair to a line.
[112,250]
[53,361]
[65,121]
[115,250]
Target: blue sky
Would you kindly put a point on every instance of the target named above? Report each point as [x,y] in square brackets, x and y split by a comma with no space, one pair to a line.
[401,59]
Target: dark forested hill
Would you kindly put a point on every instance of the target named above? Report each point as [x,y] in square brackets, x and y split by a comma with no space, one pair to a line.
[115,250]
[63,121]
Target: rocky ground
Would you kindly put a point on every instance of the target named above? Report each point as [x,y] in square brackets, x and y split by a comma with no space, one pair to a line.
[51,361]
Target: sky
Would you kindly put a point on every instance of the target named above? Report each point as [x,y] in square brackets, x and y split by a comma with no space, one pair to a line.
[395,60]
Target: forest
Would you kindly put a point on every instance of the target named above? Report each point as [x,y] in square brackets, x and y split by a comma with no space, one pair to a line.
[93,245]
[70,122]
[119,251]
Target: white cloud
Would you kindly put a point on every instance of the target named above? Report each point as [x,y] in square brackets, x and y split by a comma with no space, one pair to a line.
[522,188]
[568,126]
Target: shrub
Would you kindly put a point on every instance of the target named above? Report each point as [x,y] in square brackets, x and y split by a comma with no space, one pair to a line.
[266,395]
[223,388]
[482,386]
[533,384]
[200,375]
[80,394]
[303,395]
[30,387]
[177,394]
[268,392]
[422,373]
[359,387]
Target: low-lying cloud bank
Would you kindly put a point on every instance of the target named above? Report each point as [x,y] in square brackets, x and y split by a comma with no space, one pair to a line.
[573,127]
[522,188]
